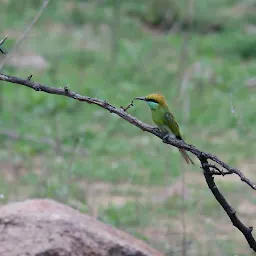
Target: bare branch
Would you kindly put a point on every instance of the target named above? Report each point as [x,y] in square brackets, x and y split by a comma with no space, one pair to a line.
[131,119]
[25,33]
[202,156]
[247,231]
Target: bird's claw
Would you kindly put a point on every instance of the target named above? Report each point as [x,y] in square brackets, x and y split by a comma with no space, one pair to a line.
[165,138]
[156,129]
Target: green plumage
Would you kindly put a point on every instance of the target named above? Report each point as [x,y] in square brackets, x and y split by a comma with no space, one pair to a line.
[164,119]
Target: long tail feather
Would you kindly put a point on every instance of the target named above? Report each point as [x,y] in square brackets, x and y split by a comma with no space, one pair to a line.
[186,156]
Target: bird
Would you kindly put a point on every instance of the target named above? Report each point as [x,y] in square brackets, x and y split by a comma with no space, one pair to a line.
[164,119]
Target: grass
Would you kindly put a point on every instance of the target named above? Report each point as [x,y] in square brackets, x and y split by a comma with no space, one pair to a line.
[220,119]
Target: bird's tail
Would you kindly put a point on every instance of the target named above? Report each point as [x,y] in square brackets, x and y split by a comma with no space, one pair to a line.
[186,156]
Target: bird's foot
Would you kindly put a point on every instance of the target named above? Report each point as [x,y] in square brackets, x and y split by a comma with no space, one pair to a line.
[156,129]
[165,138]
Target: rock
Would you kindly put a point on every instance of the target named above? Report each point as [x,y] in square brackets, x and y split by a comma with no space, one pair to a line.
[43,227]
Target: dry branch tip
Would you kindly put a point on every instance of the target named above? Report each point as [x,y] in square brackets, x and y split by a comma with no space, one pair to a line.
[29,77]
[66,89]
[126,108]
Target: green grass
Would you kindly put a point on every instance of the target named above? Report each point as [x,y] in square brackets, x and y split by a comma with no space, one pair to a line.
[77,45]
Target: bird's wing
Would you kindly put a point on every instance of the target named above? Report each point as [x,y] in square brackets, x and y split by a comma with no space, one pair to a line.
[172,124]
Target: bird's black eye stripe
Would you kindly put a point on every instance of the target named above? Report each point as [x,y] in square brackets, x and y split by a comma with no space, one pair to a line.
[152,100]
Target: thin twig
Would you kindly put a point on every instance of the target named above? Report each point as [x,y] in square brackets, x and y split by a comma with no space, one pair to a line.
[29,77]
[247,231]
[202,156]
[25,33]
[128,106]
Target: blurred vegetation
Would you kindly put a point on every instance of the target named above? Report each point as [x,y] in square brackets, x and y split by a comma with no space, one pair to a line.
[85,49]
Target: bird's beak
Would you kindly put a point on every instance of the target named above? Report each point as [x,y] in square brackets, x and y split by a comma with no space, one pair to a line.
[140,98]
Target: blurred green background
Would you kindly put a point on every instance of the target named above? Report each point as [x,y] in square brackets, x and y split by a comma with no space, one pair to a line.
[200,54]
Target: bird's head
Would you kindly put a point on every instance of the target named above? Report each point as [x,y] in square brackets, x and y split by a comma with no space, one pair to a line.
[154,100]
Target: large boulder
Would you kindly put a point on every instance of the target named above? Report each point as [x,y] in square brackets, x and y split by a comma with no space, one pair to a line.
[43,227]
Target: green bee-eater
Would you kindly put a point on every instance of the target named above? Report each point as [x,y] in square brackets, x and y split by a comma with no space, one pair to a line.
[164,119]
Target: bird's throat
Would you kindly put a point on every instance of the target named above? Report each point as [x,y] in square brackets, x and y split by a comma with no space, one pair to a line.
[153,105]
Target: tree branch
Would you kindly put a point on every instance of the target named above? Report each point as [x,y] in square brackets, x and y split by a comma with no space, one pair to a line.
[247,231]
[131,119]
[209,169]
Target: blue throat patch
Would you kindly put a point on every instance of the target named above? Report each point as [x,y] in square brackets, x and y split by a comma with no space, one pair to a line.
[153,105]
